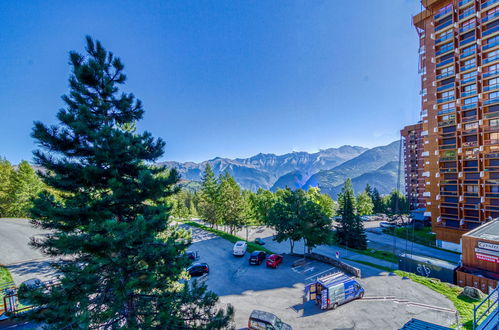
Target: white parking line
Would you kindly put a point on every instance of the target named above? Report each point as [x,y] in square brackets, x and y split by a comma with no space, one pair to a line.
[318,274]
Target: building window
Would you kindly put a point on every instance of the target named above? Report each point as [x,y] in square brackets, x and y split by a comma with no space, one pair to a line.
[471,126]
[471,100]
[468,25]
[470,88]
[469,75]
[472,188]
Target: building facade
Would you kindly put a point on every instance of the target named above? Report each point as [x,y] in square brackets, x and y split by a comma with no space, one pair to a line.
[480,259]
[413,165]
[459,67]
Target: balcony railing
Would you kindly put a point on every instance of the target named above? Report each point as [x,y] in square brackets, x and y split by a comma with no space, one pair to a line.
[441,26]
[492,155]
[447,159]
[445,50]
[446,111]
[447,61]
[464,2]
[447,122]
[447,36]
[491,59]
[443,13]
[487,128]
[491,16]
[488,46]
[491,101]
[448,193]
[468,119]
[445,75]
[470,131]
[466,41]
[491,115]
[470,194]
[490,31]
[444,87]
[490,88]
[466,14]
[468,53]
[469,80]
[491,142]
[490,73]
[469,106]
[468,67]
[466,28]
[488,3]
[446,99]
[445,147]
[468,93]
[470,144]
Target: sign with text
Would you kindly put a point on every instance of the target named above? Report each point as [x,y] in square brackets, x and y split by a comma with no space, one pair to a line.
[488,246]
[487,257]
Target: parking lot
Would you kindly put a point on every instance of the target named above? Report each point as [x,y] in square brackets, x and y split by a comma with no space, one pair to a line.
[280,291]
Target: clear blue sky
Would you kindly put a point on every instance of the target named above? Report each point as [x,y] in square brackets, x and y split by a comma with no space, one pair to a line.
[222,78]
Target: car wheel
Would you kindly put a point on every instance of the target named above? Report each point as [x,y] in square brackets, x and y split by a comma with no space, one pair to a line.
[335,305]
[361,295]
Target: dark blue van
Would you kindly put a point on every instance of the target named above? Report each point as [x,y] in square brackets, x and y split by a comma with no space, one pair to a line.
[333,290]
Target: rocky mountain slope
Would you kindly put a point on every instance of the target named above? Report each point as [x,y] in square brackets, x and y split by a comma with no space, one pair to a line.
[263,170]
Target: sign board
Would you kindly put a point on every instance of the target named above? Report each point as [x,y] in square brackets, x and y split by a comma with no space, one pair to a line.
[487,257]
[488,246]
[493,253]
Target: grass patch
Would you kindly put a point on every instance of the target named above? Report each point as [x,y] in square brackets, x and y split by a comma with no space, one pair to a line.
[231,238]
[382,255]
[367,263]
[422,236]
[463,305]
[5,275]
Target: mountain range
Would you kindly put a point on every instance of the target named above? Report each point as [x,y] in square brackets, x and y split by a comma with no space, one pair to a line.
[327,169]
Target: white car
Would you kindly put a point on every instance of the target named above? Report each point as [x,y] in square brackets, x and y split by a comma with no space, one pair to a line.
[239,248]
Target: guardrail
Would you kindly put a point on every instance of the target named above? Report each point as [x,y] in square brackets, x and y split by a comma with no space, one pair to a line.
[489,318]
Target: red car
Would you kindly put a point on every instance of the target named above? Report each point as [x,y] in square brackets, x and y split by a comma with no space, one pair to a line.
[273,260]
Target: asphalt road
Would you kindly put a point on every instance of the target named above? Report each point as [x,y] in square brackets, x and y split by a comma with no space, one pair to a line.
[280,291]
[22,260]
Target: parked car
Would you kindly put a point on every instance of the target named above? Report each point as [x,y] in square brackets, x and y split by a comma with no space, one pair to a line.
[259,241]
[239,248]
[273,260]
[257,257]
[198,269]
[364,218]
[259,320]
[193,255]
[385,224]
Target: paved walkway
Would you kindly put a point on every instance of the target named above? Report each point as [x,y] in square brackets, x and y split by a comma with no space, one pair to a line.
[22,260]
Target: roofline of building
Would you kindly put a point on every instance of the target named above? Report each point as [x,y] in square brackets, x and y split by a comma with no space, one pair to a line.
[429,5]
[471,232]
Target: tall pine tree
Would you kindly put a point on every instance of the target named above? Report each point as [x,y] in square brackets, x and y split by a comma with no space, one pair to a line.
[122,260]
[350,230]
[208,197]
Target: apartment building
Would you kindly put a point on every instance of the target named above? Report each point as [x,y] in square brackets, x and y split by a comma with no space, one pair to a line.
[413,165]
[459,67]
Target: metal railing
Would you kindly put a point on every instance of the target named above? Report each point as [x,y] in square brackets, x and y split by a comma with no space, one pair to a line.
[492,307]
